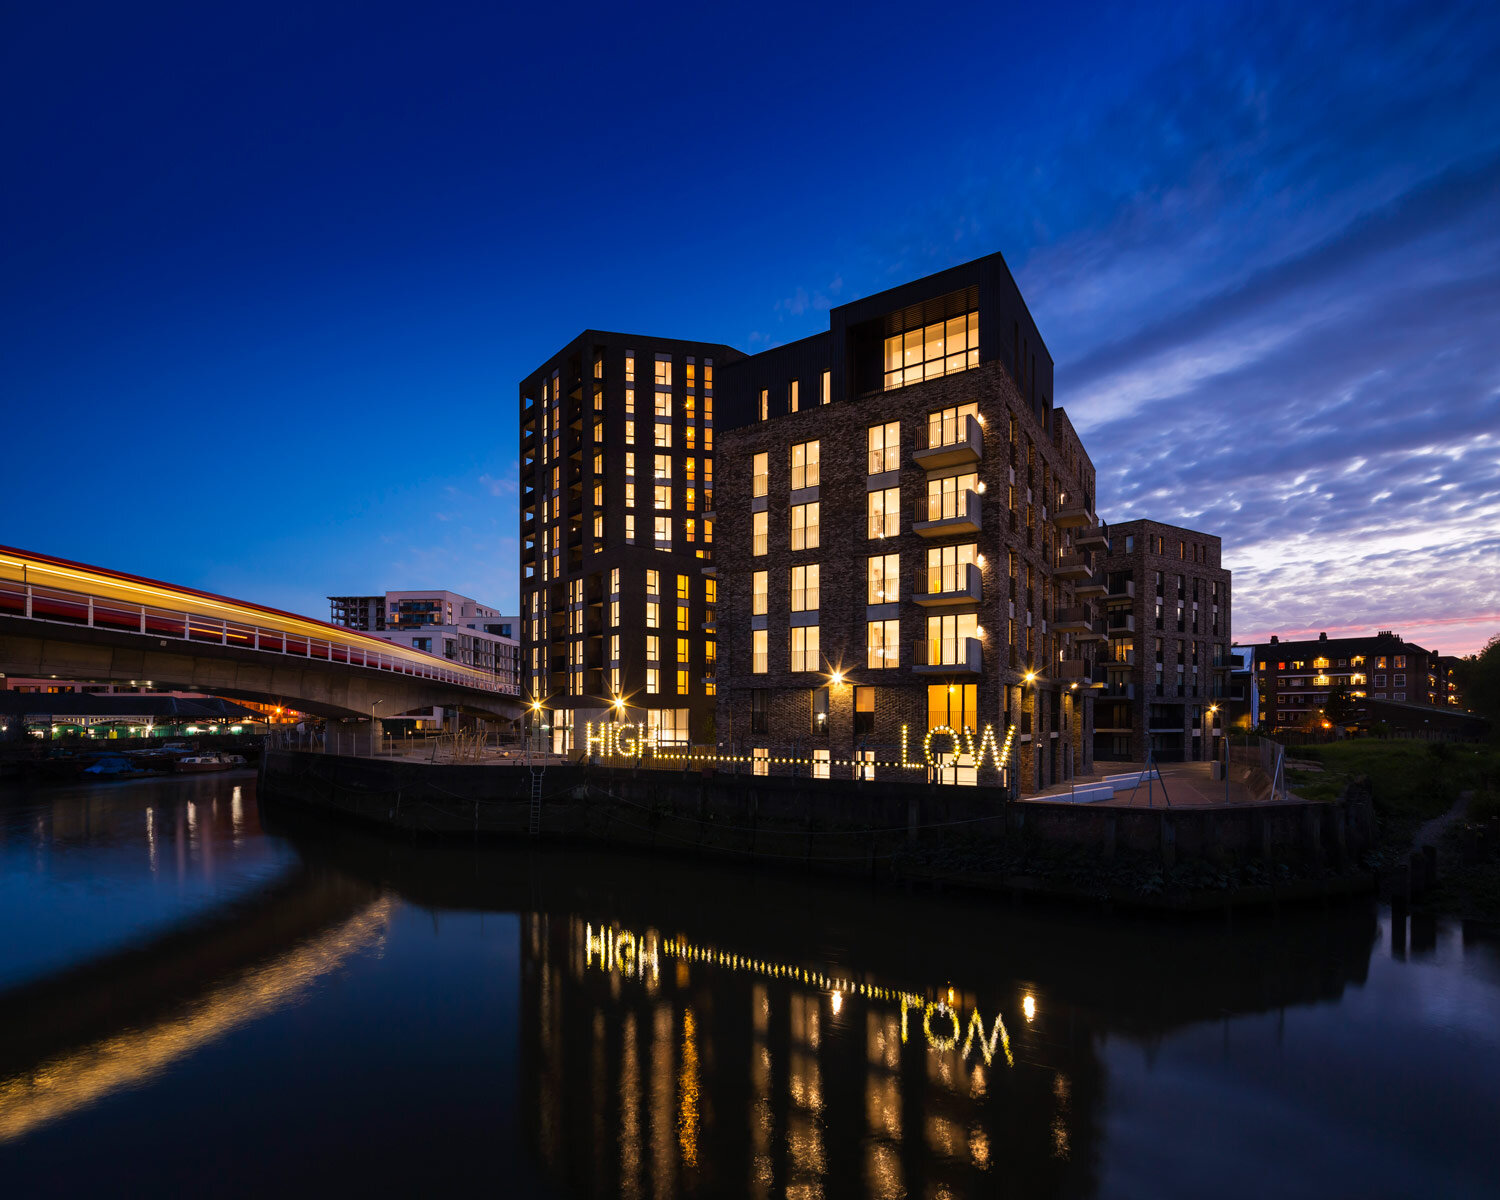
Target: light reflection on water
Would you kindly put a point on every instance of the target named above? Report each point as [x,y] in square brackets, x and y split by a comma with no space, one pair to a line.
[600,1025]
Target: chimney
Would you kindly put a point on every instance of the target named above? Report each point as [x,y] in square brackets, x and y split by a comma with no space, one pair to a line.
[1322,637]
[1274,639]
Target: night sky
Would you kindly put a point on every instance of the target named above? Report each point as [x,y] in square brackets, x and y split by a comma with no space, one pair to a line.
[272,272]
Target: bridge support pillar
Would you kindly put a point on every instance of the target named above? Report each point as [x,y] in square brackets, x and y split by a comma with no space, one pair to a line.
[377,735]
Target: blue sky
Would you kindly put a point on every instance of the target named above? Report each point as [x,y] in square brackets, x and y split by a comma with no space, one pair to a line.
[272,272]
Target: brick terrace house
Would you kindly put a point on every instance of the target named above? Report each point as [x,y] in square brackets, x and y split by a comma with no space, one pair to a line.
[1296,679]
[905,531]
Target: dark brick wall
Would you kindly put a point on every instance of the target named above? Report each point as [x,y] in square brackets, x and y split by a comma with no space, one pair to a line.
[1176,717]
[1058,463]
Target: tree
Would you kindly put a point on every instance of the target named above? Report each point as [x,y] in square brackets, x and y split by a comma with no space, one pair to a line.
[1340,709]
[1479,681]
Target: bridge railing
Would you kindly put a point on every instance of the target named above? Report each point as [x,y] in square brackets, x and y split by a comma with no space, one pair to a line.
[61,607]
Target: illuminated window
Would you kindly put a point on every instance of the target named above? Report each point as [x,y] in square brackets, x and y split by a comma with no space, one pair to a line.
[805,648]
[950,425]
[758,590]
[948,498]
[664,497]
[630,366]
[882,644]
[653,679]
[804,526]
[664,372]
[804,465]
[663,466]
[653,648]
[826,388]
[885,447]
[765,404]
[630,495]
[805,588]
[759,643]
[760,757]
[663,406]
[933,350]
[792,403]
[761,478]
[883,581]
[682,683]
[653,614]
[682,618]
[663,533]
[820,764]
[663,434]
[948,567]
[948,636]
[630,433]
[884,513]
[630,527]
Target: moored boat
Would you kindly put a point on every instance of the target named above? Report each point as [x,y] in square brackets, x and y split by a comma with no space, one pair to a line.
[194,763]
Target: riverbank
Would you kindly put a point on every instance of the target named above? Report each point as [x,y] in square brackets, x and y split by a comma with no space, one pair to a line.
[890,832]
[1437,794]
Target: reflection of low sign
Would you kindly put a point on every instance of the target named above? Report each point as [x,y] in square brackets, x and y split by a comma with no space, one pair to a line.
[936,1020]
[623,952]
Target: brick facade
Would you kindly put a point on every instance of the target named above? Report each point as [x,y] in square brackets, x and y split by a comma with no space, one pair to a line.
[1168,581]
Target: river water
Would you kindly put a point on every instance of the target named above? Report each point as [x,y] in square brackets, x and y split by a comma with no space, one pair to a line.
[204,994]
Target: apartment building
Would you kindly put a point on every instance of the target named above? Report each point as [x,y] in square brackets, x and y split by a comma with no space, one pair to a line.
[617,486]
[437,621]
[1296,679]
[905,525]
[1167,663]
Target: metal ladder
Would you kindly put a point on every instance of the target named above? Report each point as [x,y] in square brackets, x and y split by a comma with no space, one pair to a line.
[536,799]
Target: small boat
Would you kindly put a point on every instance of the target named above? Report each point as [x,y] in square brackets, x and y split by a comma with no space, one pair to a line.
[195,763]
[233,760]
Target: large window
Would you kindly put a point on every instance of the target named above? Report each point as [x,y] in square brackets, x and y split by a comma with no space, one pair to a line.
[804,526]
[804,465]
[948,425]
[937,349]
[883,585]
[948,567]
[885,447]
[758,589]
[759,528]
[864,711]
[884,513]
[882,644]
[805,588]
[761,475]
[946,498]
[947,638]
[805,648]
[758,652]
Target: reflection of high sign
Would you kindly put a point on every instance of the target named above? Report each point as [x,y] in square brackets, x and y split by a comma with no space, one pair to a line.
[638,956]
[942,746]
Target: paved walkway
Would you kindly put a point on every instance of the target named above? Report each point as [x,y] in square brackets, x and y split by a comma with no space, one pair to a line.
[1182,785]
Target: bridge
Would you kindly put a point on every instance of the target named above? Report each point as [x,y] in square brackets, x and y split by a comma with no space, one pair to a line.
[69,620]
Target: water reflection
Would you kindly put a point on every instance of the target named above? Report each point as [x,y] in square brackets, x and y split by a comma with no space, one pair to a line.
[664,1029]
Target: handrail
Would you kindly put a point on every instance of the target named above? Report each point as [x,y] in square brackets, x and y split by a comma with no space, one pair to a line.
[65,607]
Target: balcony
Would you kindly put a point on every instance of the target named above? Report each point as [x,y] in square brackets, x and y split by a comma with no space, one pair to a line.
[1072,620]
[1093,633]
[1117,689]
[1073,567]
[958,442]
[1072,514]
[1120,623]
[1121,589]
[948,656]
[1120,658]
[1073,670]
[941,516]
[1090,588]
[1091,538]
[952,587]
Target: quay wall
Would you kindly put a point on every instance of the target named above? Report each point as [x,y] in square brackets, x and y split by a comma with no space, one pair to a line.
[875,828]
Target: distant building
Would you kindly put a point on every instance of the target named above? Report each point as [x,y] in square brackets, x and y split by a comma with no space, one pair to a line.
[440,622]
[1442,684]
[1167,664]
[1297,679]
